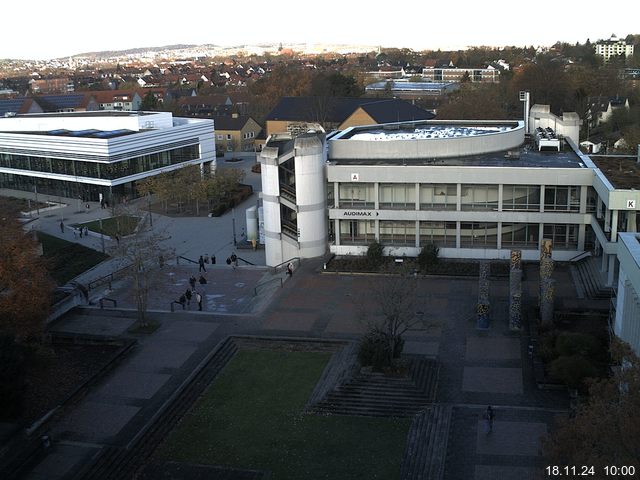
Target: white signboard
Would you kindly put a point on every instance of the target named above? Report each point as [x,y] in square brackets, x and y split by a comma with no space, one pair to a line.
[631,204]
[355,177]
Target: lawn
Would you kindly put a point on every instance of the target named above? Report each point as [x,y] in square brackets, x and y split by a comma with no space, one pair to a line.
[67,260]
[122,225]
[250,417]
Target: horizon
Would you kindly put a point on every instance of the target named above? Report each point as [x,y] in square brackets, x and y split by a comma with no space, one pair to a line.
[478,24]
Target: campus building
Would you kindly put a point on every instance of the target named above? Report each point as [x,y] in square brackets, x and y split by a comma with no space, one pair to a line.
[476,189]
[93,155]
[614,47]
[627,301]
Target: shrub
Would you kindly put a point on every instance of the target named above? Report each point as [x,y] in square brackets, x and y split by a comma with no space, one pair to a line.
[375,253]
[573,343]
[572,370]
[12,386]
[375,350]
[428,256]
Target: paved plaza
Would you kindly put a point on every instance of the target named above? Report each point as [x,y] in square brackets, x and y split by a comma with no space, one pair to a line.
[477,368]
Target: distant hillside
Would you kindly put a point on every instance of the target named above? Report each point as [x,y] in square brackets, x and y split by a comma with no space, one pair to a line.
[134,51]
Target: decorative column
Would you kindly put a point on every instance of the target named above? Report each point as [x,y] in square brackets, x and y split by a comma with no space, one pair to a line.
[515,291]
[482,307]
[547,285]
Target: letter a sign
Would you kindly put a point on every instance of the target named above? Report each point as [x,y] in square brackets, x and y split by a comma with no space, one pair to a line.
[631,204]
[355,177]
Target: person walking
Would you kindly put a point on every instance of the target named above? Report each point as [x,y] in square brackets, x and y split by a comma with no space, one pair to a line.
[488,420]
[192,282]
[290,269]
[61,226]
[182,300]
[86,231]
[188,295]
[201,263]
[199,300]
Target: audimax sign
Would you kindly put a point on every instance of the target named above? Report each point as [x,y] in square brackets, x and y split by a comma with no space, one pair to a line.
[359,213]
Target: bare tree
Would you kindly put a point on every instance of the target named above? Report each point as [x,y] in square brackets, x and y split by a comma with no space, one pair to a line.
[391,310]
[144,254]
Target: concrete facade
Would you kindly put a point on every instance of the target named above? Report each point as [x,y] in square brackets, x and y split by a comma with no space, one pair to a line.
[627,308]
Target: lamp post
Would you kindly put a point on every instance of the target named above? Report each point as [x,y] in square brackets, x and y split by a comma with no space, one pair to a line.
[101,235]
[233,225]
[149,208]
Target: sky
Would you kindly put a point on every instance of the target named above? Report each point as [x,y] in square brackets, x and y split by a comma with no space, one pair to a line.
[43,29]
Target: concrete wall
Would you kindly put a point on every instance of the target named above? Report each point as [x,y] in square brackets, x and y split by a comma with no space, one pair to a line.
[568,125]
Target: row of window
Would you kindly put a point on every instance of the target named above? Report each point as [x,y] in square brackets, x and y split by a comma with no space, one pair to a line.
[402,196]
[107,171]
[444,234]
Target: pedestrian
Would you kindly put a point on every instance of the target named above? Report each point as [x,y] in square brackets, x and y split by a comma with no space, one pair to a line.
[488,420]
[86,231]
[188,295]
[213,259]
[234,259]
[254,244]
[199,300]
[81,232]
[201,263]
[87,206]
[117,237]
[75,233]
[182,300]
[290,269]
[61,226]
[202,280]
[192,282]
[206,258]
[243,235]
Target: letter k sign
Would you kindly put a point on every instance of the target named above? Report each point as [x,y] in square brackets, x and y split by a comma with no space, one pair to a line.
[355,177]
[631,204]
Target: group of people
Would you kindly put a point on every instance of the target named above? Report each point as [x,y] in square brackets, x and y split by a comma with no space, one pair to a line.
[192,293]
[205,259]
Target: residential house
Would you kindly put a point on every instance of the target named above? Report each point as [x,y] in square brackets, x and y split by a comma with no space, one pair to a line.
[51,85]
[206,105]
[123,100]
[600,109]
[236,133]
[294,114]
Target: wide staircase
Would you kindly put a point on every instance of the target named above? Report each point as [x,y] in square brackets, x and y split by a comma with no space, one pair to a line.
[592,281]
[426,450]
[379,395]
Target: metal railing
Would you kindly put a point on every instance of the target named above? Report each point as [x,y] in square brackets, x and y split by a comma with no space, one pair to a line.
[255,289]
[245,261]
[107,278]
[184,258]
[174,302]
[286,262]
[106,299]
[580,256]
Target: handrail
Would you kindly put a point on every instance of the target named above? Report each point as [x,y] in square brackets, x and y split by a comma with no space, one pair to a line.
[580,256]
[255,289]
[109,278]
[175,301]
[106,299]
[286,262]
[184,258]
[245,261]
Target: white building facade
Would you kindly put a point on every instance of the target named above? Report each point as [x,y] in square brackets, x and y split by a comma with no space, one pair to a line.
[93,155]
[627,308]
[613,47]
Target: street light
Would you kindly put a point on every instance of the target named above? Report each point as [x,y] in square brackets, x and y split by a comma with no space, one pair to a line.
[101,235]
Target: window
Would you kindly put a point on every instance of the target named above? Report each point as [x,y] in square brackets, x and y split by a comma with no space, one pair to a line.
[220,137]
[521,197]
[397,196]
[521,235]
[442,234]
[438,196]
[229,136]
[356,195]
[564,237]
[479,197]
[561,198]
[357,232]
[398,233]
[479,235]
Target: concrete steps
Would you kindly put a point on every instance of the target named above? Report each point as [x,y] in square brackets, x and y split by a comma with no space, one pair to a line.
[378,395]
[425,453]
[592,280]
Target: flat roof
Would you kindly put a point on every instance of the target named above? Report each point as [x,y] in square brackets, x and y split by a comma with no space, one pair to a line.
[88,133]
[428,131]
[92,113]
[526,156]
[622,173]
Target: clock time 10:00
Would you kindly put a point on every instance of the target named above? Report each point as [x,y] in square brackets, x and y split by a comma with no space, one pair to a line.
[589,470]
